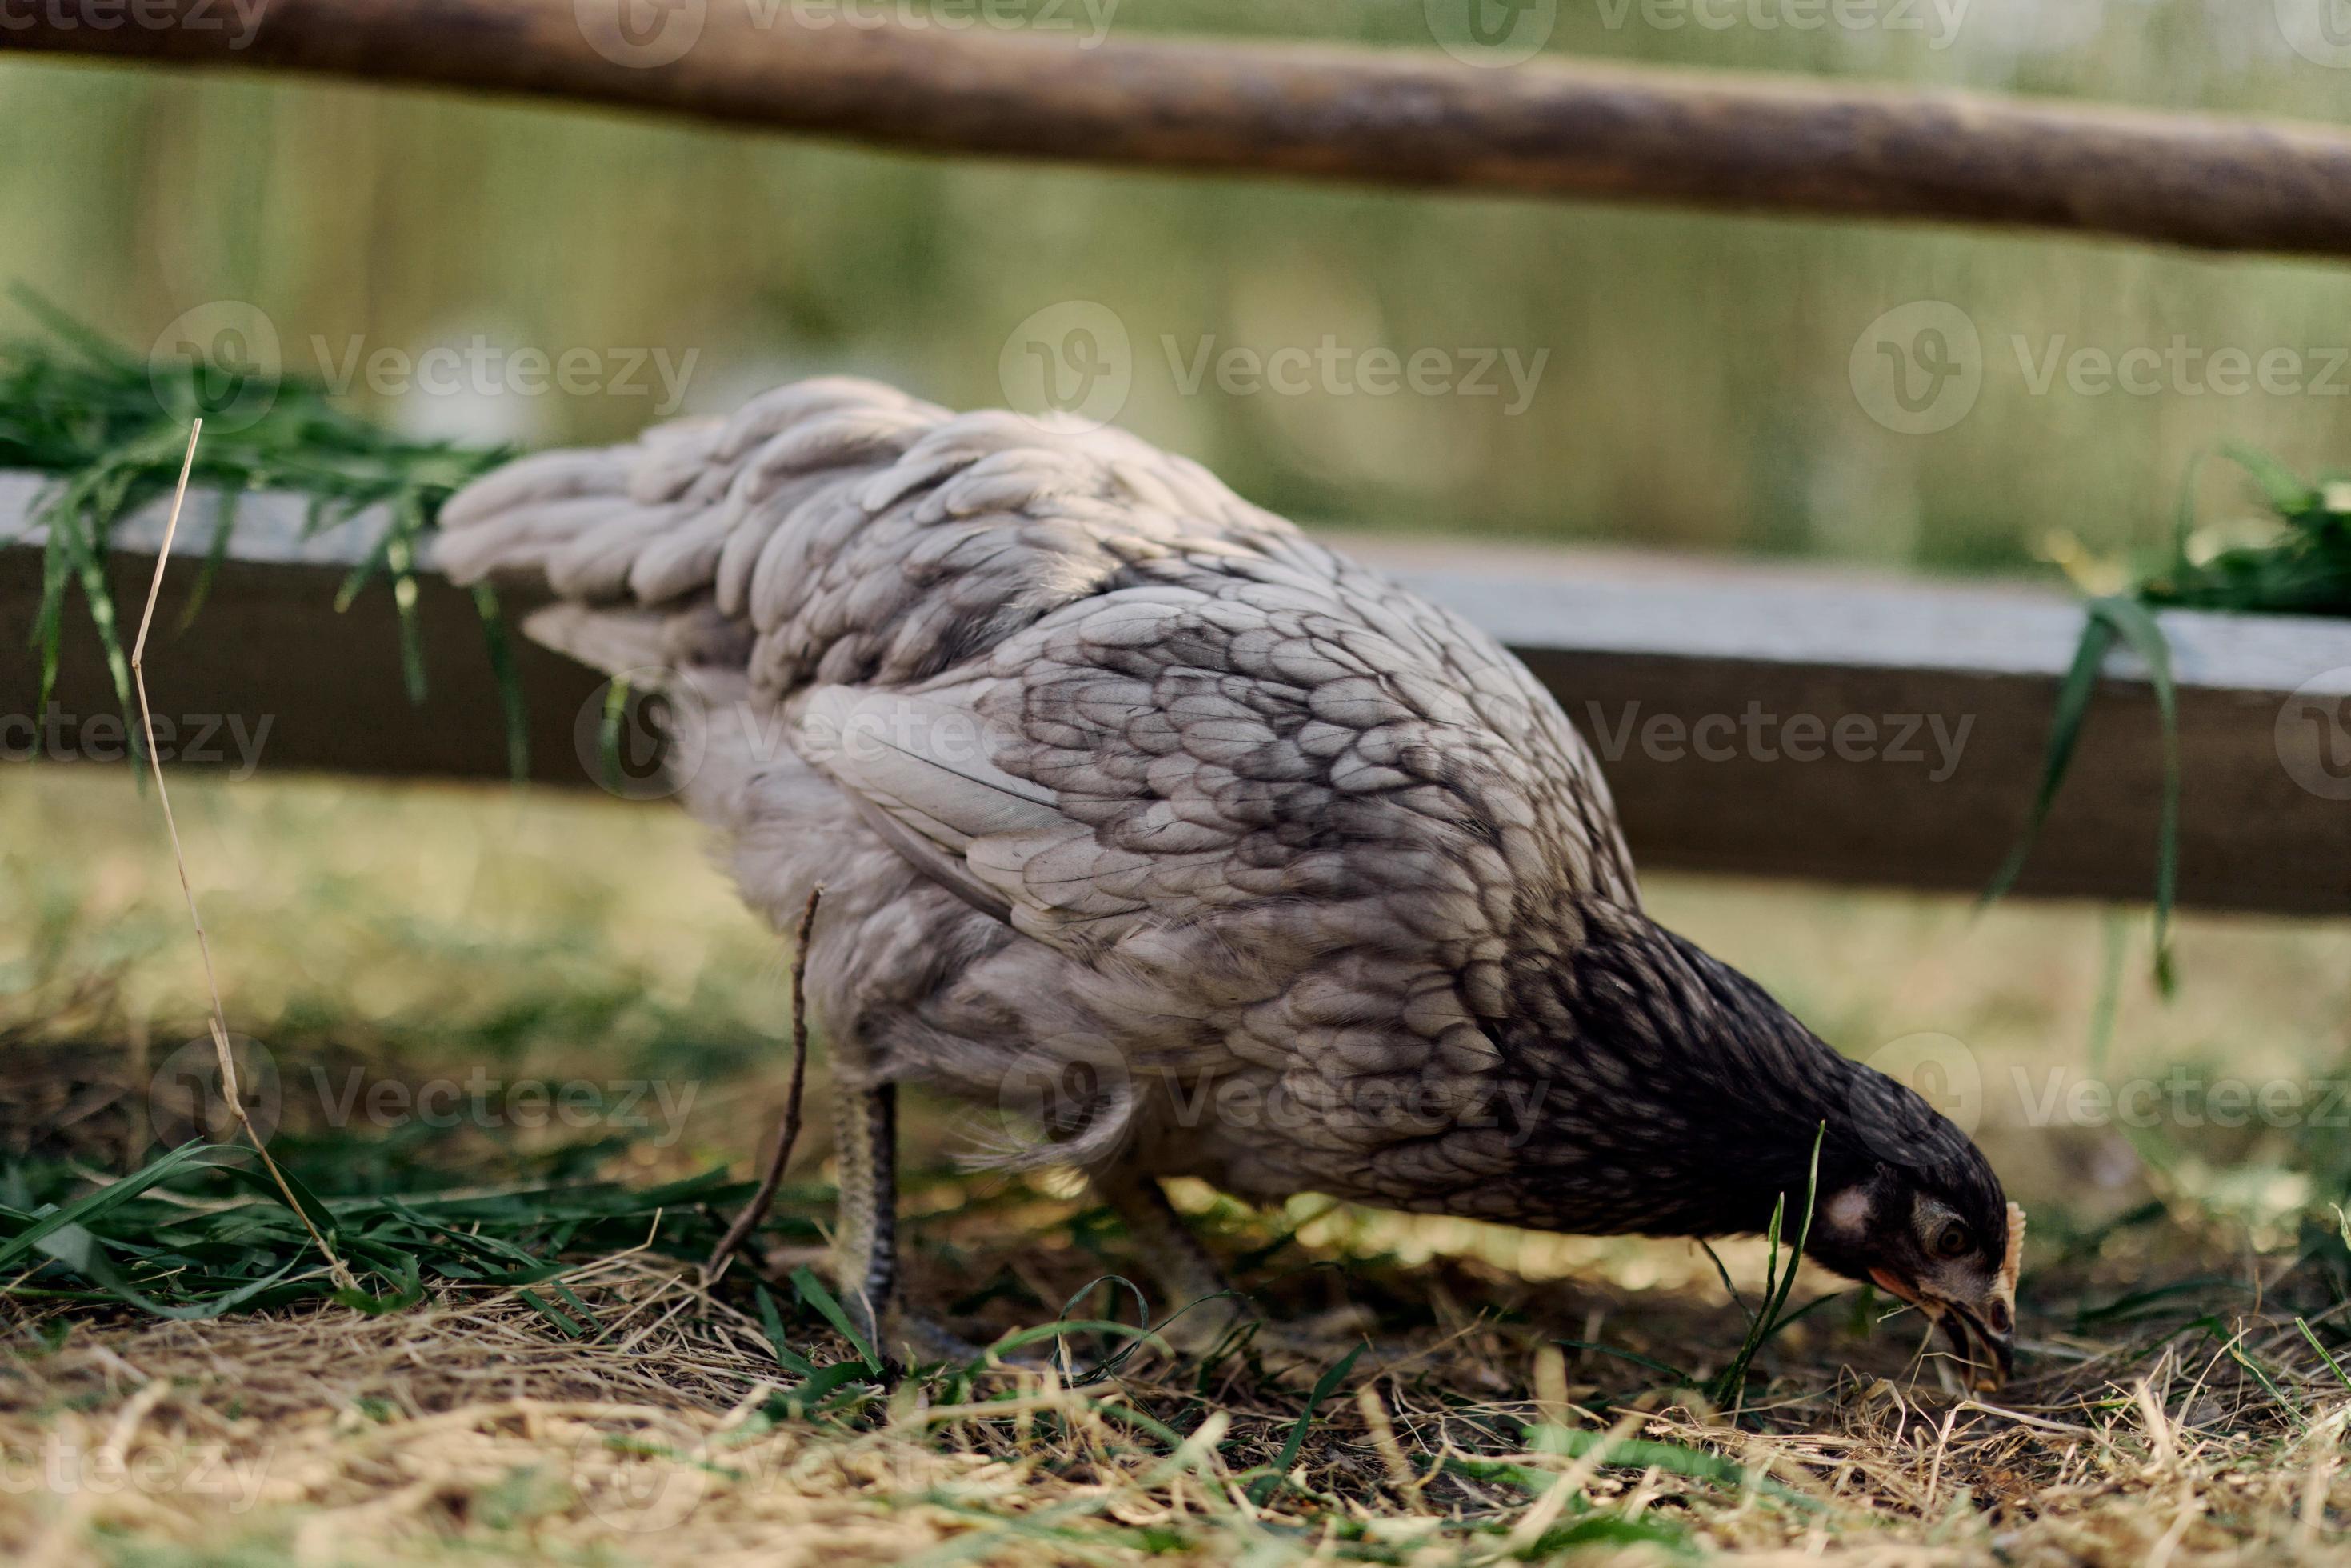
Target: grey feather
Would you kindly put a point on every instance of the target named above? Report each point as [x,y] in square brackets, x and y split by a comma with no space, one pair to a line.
[1142,764]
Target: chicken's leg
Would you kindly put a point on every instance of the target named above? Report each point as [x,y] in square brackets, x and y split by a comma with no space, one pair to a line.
[1199,1298]
[865,1233]
[866,1238]
[1203,1304]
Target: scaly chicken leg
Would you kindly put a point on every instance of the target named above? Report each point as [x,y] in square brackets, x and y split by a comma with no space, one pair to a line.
[865,1243]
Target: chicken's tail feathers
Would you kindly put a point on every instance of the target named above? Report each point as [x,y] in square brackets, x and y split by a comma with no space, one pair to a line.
[617,642]
[1067,1103]
[829,525]
[653,650]
[650,521]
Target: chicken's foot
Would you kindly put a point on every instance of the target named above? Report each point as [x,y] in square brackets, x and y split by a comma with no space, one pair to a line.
[1203,1308]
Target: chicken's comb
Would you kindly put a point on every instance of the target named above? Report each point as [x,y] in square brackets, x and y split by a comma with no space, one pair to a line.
[2006,1284]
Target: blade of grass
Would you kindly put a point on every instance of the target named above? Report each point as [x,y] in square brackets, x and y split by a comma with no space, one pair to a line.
[2138,628]
[2064,732]
[812,1292]
[1731,1386]
[1324,1386]
[2331,1364]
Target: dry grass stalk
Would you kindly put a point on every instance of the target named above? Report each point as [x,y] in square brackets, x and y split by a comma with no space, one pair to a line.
[219,1016]
[787,1129]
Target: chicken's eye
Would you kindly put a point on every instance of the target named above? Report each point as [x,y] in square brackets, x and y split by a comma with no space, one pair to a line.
[1952,1240]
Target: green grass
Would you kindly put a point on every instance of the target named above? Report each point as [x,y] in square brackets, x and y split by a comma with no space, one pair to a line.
[2299,563]
[113,430]
[199,1232]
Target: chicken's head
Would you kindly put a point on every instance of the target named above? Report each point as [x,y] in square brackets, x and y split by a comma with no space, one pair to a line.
[1948,1242]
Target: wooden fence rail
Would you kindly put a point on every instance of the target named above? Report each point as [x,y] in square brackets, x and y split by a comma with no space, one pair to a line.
[1417,118]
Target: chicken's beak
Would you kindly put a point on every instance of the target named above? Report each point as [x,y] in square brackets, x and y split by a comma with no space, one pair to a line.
[1985,1335]
[1993,1355]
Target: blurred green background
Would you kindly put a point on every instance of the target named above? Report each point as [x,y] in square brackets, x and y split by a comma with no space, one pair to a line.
[1697,392]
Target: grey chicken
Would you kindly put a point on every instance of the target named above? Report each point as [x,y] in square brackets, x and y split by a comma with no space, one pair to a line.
[1138,811]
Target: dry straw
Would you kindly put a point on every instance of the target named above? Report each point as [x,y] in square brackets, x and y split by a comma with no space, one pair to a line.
[219,1019]
[787,1129]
